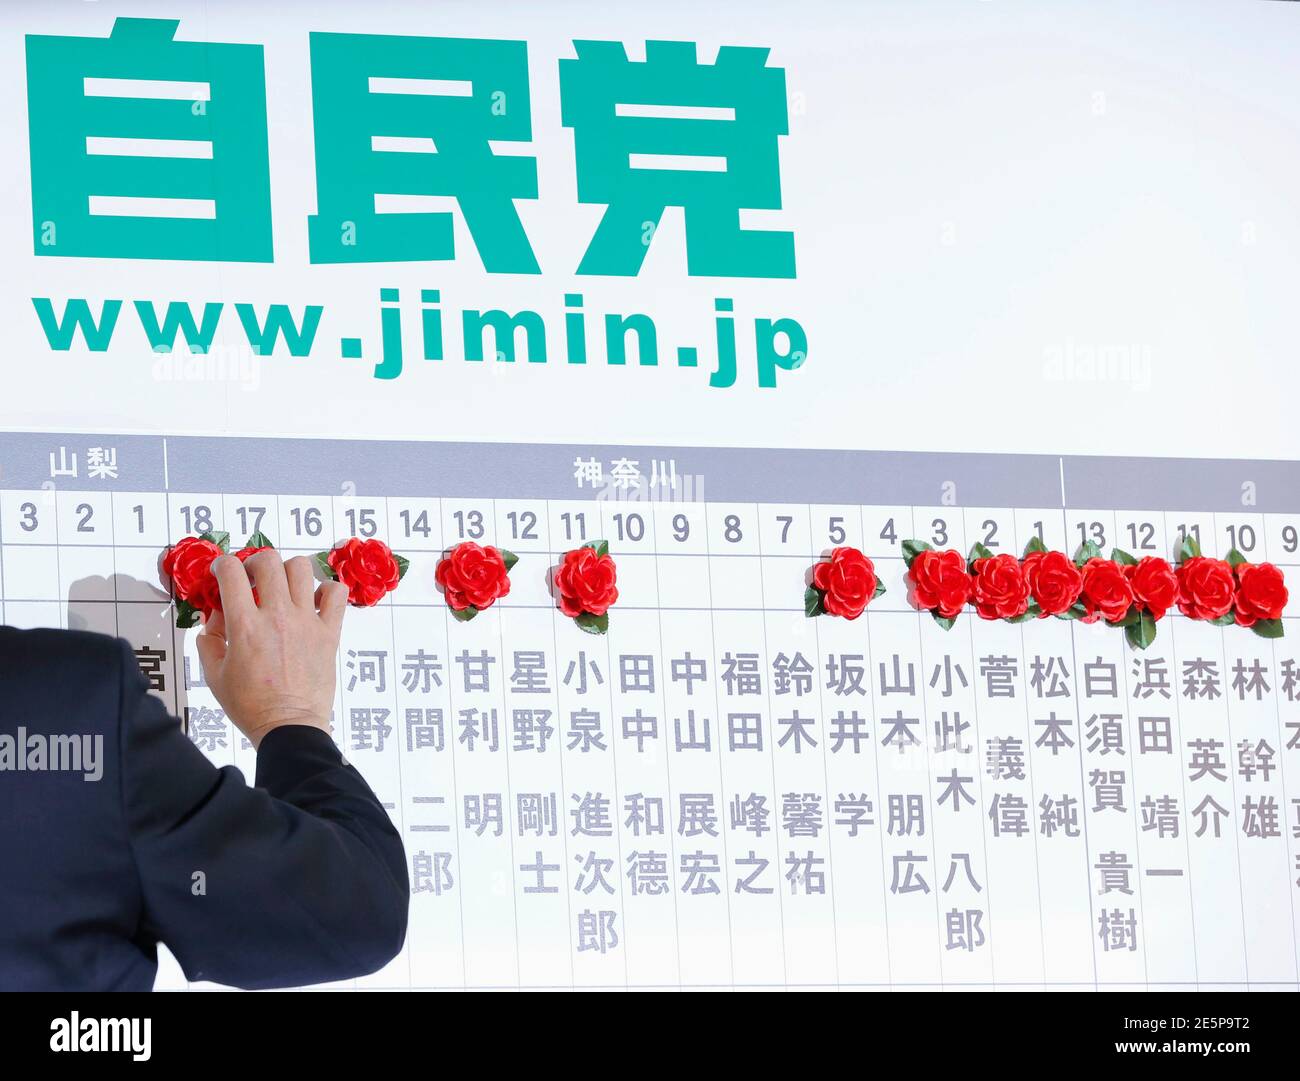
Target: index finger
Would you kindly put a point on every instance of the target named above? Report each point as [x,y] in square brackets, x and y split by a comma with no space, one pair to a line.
[236,592]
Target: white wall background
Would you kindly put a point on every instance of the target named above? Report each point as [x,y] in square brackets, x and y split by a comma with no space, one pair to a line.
[980,191]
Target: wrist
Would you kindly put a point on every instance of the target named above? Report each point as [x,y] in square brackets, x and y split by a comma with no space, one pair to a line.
[255,732]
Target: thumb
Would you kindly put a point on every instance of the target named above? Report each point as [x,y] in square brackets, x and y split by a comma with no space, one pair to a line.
[212,651]
[215,624]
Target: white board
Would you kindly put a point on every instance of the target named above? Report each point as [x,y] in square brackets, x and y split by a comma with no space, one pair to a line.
[993,271]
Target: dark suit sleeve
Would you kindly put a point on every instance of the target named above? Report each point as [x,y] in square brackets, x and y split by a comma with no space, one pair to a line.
[300,880]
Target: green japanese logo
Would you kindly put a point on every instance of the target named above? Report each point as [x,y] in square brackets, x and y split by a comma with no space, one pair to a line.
[145,147]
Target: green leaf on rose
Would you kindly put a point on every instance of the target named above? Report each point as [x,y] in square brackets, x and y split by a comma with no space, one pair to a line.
[977,551]
[593,624]
[1035,545]
[1268,628]
[1075,611]
[403,565]
[879,590]
[601,548]
[1024,617]
[322,562]
[1122,557]
[1141,633]
[812,602]
[1225,620]
[945,622]
[509,558]
[913,548]
[186,615]
[1189,549]
[220,538]
[1235,558]
[1087,550]
[463,615]
[258,540]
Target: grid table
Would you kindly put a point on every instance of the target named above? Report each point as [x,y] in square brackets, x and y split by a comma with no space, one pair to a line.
[722,792]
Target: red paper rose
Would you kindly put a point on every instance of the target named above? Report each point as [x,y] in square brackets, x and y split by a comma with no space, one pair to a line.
[1053,580]
[1261,593]
[1106,592]
[585,582]
[1000,590]
[846,582]
[940,581]
[1205,587]
[367,567]
[1155,586]
[188,566]
[473,576]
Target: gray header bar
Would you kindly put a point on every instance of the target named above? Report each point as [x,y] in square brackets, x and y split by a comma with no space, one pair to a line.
[548,471]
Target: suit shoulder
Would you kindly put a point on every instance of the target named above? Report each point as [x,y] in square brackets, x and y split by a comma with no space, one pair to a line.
[43,647]
[55,672]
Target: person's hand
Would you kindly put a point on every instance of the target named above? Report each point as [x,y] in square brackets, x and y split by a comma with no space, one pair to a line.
[271,662]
